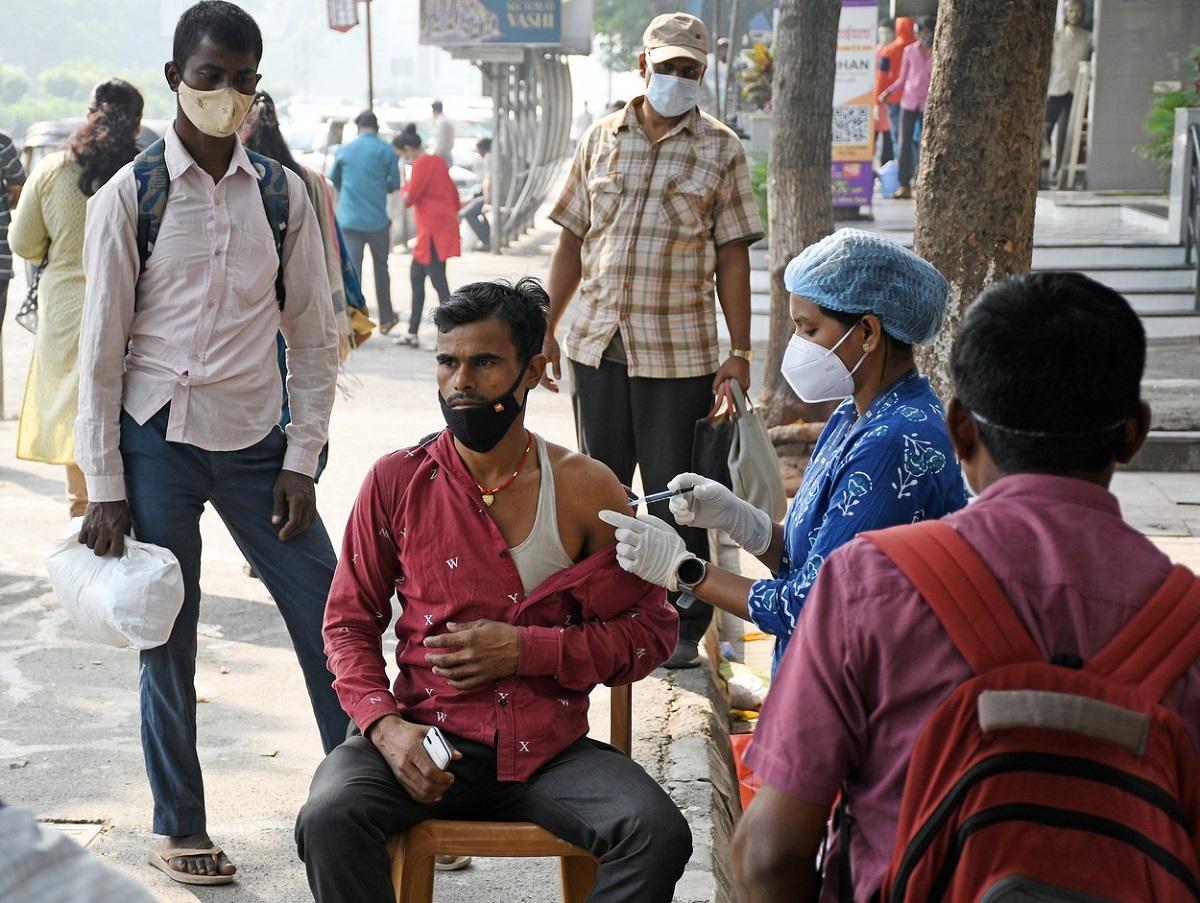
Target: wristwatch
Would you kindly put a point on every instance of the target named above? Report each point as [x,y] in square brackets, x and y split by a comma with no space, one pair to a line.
[691,571]
[744,353]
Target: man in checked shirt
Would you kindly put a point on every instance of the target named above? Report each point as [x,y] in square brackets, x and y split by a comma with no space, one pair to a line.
[657,206]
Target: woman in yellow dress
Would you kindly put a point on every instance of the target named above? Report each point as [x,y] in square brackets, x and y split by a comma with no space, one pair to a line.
[48,225]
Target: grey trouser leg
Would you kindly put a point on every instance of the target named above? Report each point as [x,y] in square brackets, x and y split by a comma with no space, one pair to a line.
[590,795]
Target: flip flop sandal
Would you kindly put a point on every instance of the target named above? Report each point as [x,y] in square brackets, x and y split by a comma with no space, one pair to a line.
[451,863]
[385,328]
[159,858]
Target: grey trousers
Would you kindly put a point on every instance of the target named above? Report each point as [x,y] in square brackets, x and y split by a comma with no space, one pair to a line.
[590,795]
[379,243]
[627,422]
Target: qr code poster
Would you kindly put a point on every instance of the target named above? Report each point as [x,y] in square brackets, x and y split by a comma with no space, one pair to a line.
[854,84]
[851,125]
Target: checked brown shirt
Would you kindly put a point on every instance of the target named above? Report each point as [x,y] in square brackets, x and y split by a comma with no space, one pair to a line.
[651,218]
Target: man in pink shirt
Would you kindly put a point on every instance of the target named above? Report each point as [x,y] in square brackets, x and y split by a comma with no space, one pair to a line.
[1047,370]
[912,85]
[180,400]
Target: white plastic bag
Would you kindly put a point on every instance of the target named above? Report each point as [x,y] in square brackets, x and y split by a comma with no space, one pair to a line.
[128,601]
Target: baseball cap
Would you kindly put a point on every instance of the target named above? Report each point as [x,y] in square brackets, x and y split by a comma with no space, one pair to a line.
[673,35]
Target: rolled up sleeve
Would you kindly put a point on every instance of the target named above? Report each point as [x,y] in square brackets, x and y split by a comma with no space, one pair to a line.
[310,334]
[813,727]
[735,213]
[573,209]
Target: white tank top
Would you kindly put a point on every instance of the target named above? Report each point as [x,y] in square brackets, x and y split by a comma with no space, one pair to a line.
[541,553]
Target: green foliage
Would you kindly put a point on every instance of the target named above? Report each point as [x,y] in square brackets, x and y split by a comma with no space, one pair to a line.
[758,185]
[62,93]
[73,80]
[14,83]
[1160,121]
[619,24]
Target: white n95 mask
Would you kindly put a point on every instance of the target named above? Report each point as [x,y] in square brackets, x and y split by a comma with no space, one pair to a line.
[217,113]
[671,95]
[815,372]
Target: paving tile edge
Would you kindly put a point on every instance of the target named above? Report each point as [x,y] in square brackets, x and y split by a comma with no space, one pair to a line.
[699,777]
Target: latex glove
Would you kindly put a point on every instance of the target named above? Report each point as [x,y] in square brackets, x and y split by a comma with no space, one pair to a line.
[711,505]
[648,547]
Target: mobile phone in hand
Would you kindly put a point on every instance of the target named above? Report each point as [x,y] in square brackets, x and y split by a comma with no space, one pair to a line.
[437,747]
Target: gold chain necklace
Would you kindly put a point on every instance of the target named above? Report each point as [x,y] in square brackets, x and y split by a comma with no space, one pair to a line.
[489,495]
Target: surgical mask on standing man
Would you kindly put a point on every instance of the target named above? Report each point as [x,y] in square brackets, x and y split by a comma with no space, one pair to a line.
[671,95]
[218,113]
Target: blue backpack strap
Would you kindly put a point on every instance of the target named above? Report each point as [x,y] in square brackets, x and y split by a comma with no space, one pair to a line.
[153,183]
[272,185]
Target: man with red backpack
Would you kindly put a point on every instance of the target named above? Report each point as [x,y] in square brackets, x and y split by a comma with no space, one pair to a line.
[1006,702]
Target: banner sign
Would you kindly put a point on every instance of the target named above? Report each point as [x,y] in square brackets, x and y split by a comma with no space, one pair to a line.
[853,174]
[343,14]
[454,23]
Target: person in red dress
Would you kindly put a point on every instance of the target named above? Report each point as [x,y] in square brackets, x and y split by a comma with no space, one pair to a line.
[434,198]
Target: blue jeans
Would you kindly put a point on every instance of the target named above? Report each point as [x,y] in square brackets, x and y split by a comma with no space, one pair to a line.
[167,484]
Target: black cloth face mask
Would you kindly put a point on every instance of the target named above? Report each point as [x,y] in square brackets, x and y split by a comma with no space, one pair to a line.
[481,426]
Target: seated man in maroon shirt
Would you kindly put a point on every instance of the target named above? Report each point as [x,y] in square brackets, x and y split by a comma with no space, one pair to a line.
[513,608]
[1047,373]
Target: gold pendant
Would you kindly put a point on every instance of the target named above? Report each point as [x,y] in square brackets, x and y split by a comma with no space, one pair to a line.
[488,499]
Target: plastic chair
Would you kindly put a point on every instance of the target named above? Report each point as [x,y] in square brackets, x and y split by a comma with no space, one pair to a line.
[412,852]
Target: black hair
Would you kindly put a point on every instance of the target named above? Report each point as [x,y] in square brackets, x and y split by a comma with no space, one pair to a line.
[226,24]
[926,23]
[484,145]
[408,137]
[1053,362]
[367,120]
[108,139]
[261,133]
[436,106]
[525,307]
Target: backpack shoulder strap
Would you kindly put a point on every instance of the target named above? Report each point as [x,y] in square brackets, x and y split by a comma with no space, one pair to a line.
[962,592]
[272,185]
[153,183]
[1161,641]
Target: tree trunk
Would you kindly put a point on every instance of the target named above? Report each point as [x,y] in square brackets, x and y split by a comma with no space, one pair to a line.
[980,144]
[799,198]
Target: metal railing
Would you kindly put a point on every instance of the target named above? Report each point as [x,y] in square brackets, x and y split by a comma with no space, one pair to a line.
[1192,212]
[530,139]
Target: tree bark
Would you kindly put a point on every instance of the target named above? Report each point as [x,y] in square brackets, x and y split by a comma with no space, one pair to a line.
[799,198]
[981,139]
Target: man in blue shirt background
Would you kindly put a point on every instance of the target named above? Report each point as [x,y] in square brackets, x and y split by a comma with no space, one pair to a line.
[365,172]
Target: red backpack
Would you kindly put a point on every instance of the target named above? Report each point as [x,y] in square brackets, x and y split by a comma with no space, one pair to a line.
[1039,781]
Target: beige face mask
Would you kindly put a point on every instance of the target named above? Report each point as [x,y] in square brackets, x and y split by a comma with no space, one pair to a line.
[218,113]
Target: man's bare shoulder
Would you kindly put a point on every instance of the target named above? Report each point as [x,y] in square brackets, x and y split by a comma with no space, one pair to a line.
[587,484]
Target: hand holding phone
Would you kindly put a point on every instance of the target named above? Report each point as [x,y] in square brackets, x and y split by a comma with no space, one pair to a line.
[403,746]
[437,747]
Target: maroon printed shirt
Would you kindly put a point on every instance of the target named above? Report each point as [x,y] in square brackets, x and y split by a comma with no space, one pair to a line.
[418,529]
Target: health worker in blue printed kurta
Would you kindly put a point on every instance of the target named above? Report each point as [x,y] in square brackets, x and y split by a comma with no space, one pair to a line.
[860,303]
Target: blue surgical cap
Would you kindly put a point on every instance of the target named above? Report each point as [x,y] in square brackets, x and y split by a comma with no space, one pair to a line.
[859,272]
